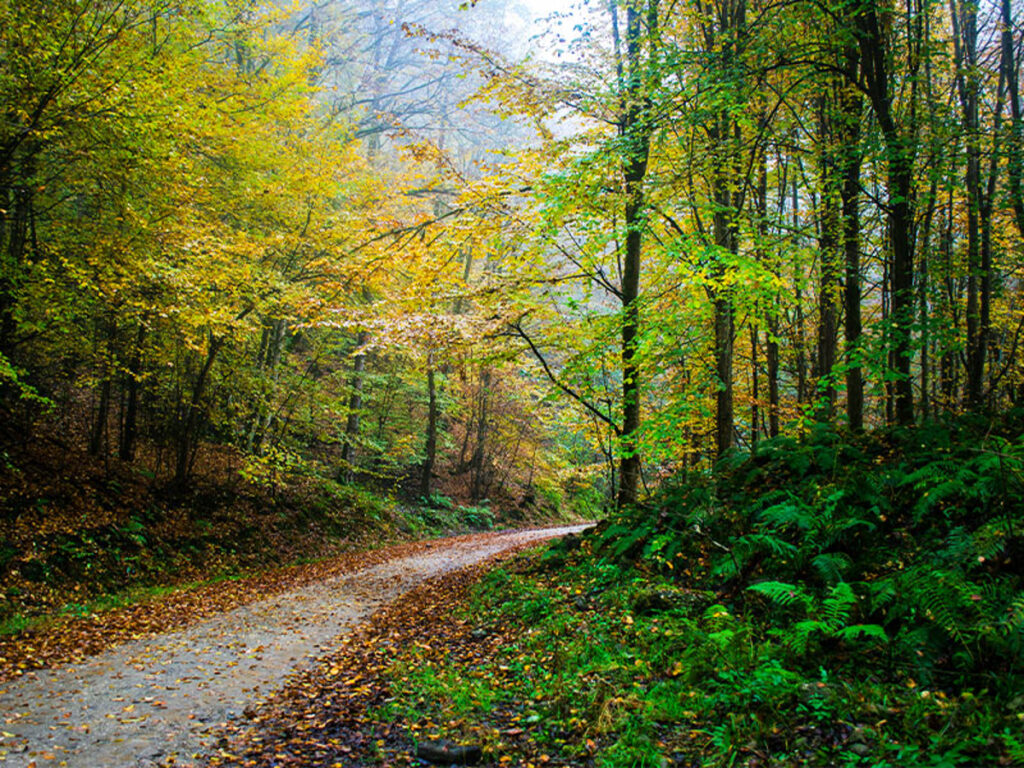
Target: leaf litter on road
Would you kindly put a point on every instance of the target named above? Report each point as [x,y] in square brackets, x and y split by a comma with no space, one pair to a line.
[335,713]
[160,700]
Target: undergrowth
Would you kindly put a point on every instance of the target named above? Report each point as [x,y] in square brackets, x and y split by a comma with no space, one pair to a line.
[101,537]
[836,600]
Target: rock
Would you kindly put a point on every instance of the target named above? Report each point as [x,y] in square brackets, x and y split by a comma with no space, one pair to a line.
[445,753]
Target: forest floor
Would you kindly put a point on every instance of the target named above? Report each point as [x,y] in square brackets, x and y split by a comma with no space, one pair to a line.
[155,693]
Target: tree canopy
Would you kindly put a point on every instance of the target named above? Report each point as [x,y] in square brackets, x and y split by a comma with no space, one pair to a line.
[347,239]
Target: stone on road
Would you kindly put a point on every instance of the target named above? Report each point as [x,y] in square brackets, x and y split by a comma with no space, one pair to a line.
[160,697]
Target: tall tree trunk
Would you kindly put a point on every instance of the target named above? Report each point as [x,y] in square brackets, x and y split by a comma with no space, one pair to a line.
[727,202]
[829,229]
[355,406]
[947,362]
[850,159]
[430,448]
[755,385]
[964,15]
[635,129]
[798,306]
[772,364]
[133,383]
[189,424]
[771,352]
[725,334]
[900,152]
[852,327]
[1009,68]
[99,429]
[16,226]
[477,463]
[922,292]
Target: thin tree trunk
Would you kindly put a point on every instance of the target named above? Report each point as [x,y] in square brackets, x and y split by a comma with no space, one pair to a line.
[772,363]
[772,335]
[355,406]
[1009,69]
[755,386]
[635,130]
[430,449]
[99,429]
[477,463]
[189,425]
[852,293]
[133,383]
[829,228]
[900,152]
[798,307]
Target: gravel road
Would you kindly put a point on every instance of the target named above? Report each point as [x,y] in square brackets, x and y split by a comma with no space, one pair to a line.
[158,698]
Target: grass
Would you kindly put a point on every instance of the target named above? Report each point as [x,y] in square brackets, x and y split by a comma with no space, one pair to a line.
[138,595]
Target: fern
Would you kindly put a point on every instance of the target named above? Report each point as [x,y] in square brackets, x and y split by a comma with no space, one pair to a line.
[833,615]
[862,631]
[798,637]
[832,566]
[792,512]
[766,542]
[1013,622]
[836,607]
[783,594]
[941,596]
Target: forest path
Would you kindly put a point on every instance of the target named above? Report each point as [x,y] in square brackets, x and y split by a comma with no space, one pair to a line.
[149,700]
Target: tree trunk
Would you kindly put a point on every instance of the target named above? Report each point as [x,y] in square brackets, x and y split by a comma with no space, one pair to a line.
[99,429]
[755,386]
[798,307]
[850,160]
[133,384]
[430,449]
[477,463]
[1009,68]
[772,335]
[189,424]
[829,227]
[355,406]
[772,364]
[900,151]
[964,17]
[635,130]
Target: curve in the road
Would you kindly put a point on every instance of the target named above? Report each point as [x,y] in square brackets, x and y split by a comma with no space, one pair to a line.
[146,701]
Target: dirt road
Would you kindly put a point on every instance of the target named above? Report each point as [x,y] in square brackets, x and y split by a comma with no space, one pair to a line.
[144,702]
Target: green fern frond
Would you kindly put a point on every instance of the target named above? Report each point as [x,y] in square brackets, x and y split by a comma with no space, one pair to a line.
[835,609]
[862,631]
[782,593]
[798,637]
[765,542]
[791,513]
[832,566]
[1013,621]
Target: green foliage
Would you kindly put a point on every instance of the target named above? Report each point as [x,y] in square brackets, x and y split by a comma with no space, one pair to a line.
[885,562]
[441,515]
[592,679]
